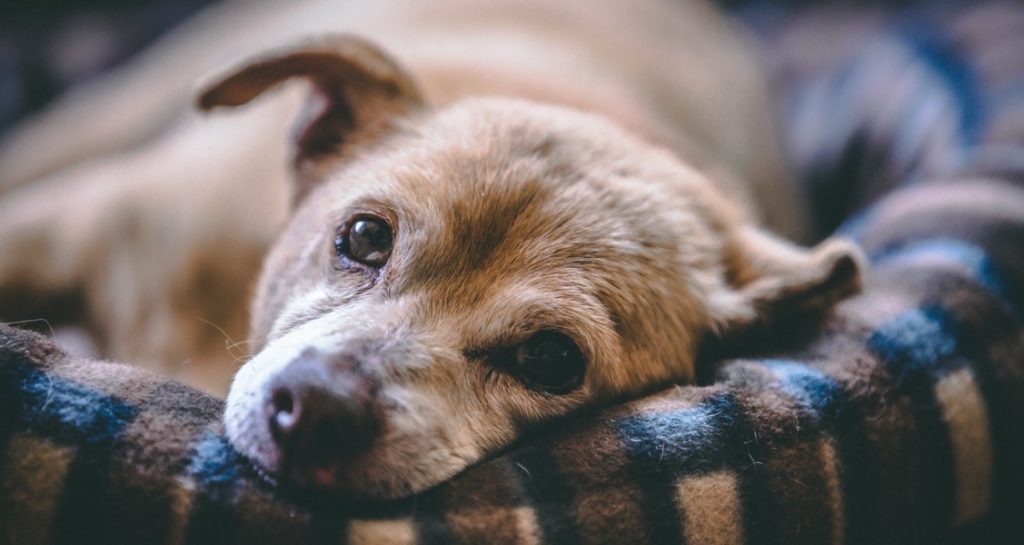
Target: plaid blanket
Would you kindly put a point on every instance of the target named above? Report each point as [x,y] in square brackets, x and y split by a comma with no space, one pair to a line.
[900,419]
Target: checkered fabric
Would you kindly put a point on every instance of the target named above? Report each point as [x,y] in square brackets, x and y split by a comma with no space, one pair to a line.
[899,419]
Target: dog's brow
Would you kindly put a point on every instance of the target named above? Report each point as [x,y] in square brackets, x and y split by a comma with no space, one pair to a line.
[541,312]
[483,223]
[497,343]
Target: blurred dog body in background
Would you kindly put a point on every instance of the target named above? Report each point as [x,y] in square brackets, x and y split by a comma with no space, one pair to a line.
[637,138]
[155,221]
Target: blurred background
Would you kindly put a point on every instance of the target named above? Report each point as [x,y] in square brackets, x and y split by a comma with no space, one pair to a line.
[48,46]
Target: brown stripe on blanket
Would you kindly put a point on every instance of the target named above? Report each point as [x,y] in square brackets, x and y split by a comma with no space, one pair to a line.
[652,491]
[797,475]
[788,434]
[989,334]
[809,470]
[918,348]
[398,531]
[672,399]
[963,409]
[843,395]
[170,421]
[495,525]
[831,473]
[712,513]
[17,344]
[493,484]
[180,506]
[30,486]
[608,501]
[178,416]
[488,506]
[130,384]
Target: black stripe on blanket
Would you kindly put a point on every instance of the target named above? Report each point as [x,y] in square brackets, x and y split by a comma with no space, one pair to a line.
[549,492]
[91,424]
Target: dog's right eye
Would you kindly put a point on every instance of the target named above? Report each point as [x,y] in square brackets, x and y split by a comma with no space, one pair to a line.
[366,240]
[550,361]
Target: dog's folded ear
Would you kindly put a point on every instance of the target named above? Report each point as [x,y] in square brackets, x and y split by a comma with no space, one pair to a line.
[358,93]
[772,282]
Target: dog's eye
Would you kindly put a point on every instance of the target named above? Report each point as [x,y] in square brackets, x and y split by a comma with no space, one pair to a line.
[550,361]
[366,240]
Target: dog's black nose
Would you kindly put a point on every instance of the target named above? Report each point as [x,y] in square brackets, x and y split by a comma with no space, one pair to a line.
[321,409]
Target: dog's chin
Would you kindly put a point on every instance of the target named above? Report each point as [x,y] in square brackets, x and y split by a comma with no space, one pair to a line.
[352,479]
[369,476]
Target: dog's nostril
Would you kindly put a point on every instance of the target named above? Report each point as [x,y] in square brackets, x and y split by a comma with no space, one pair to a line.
[283,401]
[283,413]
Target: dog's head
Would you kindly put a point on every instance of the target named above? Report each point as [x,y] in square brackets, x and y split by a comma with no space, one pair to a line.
[451,277]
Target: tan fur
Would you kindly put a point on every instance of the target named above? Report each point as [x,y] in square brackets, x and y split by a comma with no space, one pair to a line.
[572,167]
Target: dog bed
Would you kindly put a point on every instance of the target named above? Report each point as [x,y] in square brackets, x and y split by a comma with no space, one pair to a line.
[898,419]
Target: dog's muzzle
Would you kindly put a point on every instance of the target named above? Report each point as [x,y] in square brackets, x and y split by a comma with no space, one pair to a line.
[321,411]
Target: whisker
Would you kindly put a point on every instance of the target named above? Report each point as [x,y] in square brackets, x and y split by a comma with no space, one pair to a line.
[229,343]
[35,320]
[239,343]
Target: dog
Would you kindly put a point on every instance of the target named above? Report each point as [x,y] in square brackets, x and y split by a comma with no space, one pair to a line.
[507,212]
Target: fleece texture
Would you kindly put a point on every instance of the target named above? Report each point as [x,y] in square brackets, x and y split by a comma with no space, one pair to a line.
[897,419]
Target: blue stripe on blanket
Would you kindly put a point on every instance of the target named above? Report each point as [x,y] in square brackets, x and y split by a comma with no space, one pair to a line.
[679,436]
[214,463]
[71,414]
[62,411]
[913,342]
[662,445]
[214,469]
[938,53]
[828,407]
[714,435]
[821,398]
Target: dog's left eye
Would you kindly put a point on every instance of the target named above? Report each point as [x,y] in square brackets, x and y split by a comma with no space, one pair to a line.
[550,361]
[366,240]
